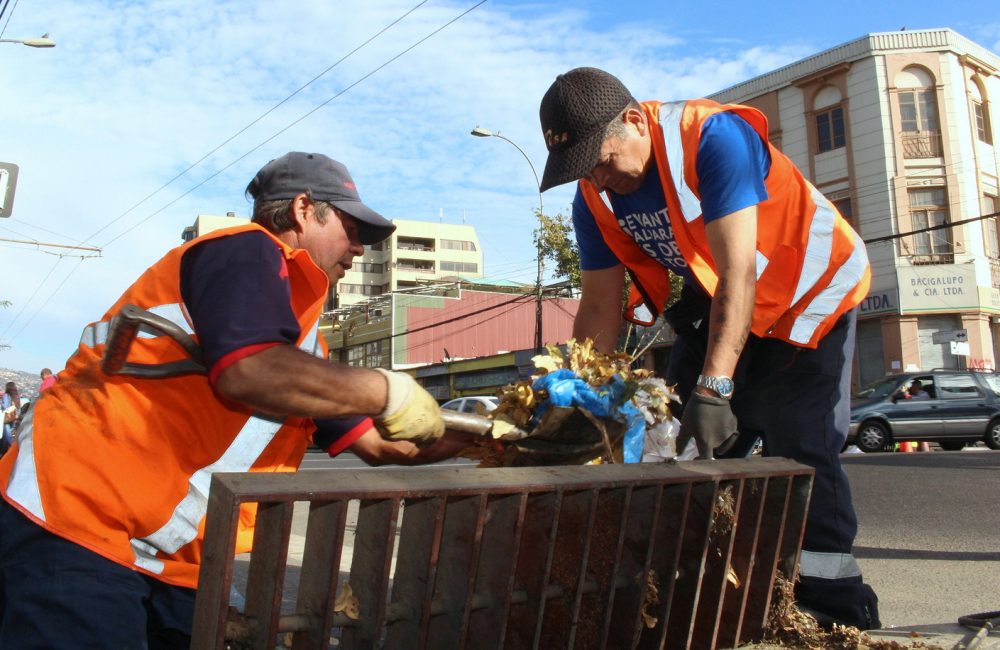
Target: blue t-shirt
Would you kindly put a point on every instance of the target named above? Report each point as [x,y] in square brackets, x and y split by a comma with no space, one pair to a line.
[237,293]
[732,165]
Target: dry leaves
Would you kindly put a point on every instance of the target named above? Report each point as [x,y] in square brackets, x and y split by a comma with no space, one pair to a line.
[347,603]
[652,599]
[519,401]
[789,627]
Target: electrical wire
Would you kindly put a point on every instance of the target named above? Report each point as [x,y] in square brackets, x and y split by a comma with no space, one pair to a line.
[9,16]
[275,135]
[30,299]
[298,120]
[47,300]
[184,171]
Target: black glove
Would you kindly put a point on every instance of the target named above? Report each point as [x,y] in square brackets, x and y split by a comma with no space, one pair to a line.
[710,421]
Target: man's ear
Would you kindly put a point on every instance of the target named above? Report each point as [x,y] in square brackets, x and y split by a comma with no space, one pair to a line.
[636,118]
[301,206]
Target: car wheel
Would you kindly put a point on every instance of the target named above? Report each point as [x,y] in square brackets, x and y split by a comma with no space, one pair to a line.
[872,436]
[951,445]
[993,435]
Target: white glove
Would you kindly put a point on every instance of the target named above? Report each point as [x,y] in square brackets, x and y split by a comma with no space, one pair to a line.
[410,411]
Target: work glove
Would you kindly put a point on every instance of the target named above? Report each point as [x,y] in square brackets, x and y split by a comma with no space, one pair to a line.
[410,411]
[710,421]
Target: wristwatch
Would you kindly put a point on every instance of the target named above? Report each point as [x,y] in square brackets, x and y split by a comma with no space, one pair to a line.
[723,386]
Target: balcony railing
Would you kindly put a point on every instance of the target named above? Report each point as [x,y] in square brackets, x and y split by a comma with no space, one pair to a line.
[922,144]
[934,258]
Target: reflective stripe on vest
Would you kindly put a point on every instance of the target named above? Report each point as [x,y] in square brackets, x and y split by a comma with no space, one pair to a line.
[670,121]
[23,483]
[182,527]
[97,333]
[247,446]
[822,247]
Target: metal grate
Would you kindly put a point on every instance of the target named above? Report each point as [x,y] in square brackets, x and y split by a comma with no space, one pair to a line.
[555,557]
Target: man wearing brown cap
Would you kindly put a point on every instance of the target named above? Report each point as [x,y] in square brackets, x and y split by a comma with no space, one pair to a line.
[105,488]
[772,275]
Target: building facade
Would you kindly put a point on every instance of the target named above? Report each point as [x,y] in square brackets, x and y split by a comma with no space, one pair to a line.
[897,130]
[417,252]
[205,223]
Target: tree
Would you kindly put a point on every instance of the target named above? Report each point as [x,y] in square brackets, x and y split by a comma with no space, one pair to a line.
[554,237]
[555,241]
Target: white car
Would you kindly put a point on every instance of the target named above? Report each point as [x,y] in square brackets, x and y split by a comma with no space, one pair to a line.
[472,404]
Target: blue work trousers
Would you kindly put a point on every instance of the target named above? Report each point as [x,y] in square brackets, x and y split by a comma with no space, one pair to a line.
[57,594]
[798,401]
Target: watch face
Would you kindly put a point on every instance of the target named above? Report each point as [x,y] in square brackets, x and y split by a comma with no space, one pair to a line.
[724,386]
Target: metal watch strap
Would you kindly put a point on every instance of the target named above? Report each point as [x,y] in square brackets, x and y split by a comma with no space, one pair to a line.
[721,385]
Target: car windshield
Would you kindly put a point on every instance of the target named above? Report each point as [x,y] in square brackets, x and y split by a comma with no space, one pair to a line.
[994,382]
[878,390]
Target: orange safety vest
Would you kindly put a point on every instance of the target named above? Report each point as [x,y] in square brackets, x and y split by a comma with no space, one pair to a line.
[811,265]
[121,465]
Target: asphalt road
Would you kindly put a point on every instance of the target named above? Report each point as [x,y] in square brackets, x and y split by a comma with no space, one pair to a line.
[928,533]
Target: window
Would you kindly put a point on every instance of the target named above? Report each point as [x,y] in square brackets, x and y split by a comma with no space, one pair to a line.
[918,110]
[414,244]
[380,246]
[459,267]
[355,355]
[830,129]
[457,245]
[368,267]
[359,289]
[980,110]
[845,209]
[928,208]
[980,117]
[957,386]
[419,266]
[368,355]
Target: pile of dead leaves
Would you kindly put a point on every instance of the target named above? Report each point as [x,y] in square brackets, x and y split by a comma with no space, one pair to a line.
[519,401]
[789,627]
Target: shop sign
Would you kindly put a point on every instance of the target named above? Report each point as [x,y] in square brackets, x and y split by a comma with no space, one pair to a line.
[937,287]
[879,301]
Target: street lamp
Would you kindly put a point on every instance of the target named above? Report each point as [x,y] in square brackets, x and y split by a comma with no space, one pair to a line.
[42,41]
[480,132]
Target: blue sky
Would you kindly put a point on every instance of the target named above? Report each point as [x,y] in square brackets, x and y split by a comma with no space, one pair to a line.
[137,91]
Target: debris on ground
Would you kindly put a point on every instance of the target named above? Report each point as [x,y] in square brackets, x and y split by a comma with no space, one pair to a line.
[652,599]
[789,627]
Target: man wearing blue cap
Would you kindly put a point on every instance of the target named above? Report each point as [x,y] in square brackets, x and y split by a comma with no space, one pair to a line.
[105,488]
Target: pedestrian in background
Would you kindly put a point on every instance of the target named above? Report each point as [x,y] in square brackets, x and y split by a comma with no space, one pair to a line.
[48,379]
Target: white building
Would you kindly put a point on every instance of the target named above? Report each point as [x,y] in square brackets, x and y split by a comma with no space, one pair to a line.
[418,251]
[205,223]
[897,130]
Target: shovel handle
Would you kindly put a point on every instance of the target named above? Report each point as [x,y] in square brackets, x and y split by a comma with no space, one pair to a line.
[122,332]
[477,425]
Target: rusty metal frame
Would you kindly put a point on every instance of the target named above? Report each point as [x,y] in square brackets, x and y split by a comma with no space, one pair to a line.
[538,557]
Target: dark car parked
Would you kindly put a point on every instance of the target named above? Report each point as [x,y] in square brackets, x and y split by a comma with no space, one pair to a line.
[949,407]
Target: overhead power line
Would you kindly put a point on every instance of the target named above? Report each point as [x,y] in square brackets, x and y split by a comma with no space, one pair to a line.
[272,137]
[184,171]
[300,119]
[942,226]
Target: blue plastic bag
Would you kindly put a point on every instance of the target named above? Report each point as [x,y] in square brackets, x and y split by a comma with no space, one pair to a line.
[566,389]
